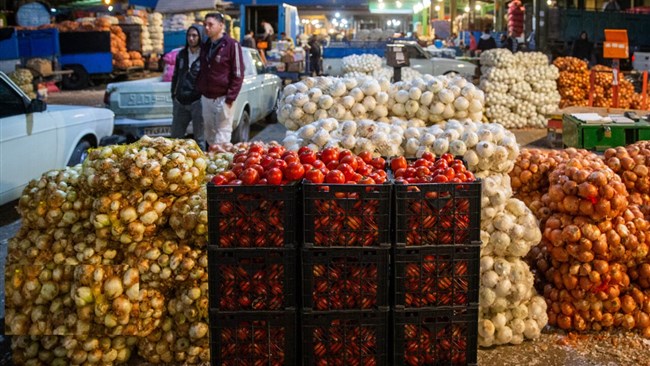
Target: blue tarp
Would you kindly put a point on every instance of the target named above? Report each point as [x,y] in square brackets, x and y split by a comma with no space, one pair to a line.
[144,3]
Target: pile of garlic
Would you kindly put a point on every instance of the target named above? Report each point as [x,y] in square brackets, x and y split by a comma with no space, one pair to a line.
[432,99]
[365,63]
[520,89]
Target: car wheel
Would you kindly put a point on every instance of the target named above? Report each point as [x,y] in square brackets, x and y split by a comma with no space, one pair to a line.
[79,153]
[242,132]
[79,78]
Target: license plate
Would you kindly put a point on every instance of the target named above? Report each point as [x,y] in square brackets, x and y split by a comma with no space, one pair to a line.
[157,131]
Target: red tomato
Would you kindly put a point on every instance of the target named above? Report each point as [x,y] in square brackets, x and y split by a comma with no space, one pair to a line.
[259,169]
[307,167]
[229,175]
[421,162]
[262,182]
[291,159]
[237,168]
[365,170]
[277,149]
[315,176]
[398,163]
[240,159]
[219,179]
[335,176]
[399,172]
[347,170]
[249,176]
[279,163]
[275,155]
[331,165]
[422,171]
[345,152]
[256,147]
[428,156]
[458,166]
[367,180]
[318,164]
[235,182]
[441,163]
[447,157]
[287,153]
[440,179]
[303,150]
[274,176]
[356,177]
[294,171]
[409,172]
[329,154]
[366,156]
[450,173]
[378,163]
[266,161]
[349,159]
[469,176]
[252,160]
[308,157]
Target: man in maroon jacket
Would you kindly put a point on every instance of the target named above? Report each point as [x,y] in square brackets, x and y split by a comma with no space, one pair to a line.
[220,79]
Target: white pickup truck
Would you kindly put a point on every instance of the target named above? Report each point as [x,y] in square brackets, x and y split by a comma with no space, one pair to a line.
[144,107]
[420,59]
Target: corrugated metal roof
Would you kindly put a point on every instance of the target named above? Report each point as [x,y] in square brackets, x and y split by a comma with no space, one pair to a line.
[176,6]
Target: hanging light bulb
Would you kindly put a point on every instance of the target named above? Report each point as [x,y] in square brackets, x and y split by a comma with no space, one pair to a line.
[437,8]
[398,4]
[477,7]
[467,9]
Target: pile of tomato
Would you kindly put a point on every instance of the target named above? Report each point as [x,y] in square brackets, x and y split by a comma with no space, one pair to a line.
[432,344]
[253,343]
[428,169]
[344,286]
[435,280]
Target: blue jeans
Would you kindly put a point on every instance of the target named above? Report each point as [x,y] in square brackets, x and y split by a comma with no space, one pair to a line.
[183,114]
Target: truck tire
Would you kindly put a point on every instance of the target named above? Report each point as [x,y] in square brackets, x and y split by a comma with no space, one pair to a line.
[242,132]
[272,118]
[79,153]
[79,79]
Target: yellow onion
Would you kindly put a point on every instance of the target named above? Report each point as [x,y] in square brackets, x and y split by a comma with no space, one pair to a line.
[189,218]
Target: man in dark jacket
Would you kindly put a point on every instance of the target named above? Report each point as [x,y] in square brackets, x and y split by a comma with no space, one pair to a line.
[186,97]
[582,48]
[220,79]
[486,42]
[249,40]
[314,55]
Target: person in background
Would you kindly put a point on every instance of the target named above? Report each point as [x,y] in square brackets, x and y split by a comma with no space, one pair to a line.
[268,31]
[249,40]
[486,42]
[510,43]
[472,44]
[284,37]
[582,48]
[611,5]
[531,41]
[186,98]
[314,55]
[220,79]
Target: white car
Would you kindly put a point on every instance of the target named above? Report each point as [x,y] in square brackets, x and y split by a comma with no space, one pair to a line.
[35,137]
[144,107]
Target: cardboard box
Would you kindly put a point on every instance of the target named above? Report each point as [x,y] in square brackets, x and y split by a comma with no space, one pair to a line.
[299,55]
[287,58]
[41,66]
[295,66]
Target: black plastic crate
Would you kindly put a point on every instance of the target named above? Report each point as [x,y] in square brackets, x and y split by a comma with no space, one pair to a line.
[252,216]
[344,279]
[342,338]
[435,336]
[436,276]
[437,213]
[252,279]
[253,338]
[346,215]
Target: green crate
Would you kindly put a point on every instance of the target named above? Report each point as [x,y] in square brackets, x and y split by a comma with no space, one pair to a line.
[577,134]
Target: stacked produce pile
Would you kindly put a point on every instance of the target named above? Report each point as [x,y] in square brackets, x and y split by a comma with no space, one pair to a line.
[111,258]
[520,89]
[376,34]
[593,261]
[574,85]
[155,28]
[516,12]
[431,99]
[356,66]
[178,22]
[24,79]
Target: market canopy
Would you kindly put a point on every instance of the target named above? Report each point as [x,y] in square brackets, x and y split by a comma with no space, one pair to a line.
[176,6]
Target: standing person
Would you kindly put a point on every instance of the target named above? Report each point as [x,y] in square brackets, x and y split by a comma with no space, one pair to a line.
[314,55]
[268,31]
[582,48]
[511,43]
[611,5]
[220,79]
[249,40]
[186,98]
[486,42]
[284,37]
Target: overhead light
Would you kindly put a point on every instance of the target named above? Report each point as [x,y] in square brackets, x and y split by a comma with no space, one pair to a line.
[418,7]
[381,5]
[437,7]
[53,10]
[107,2]
[549,2]
[467,9]
[110,8]
[344,21]
[426,3]
[380,1]
[398,4]
[388,22]
[477,7]
[338,15]
[396,22]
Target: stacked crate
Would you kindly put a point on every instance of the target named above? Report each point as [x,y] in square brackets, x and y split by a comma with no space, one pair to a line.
[435,273]
[252,264]
[344,313]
